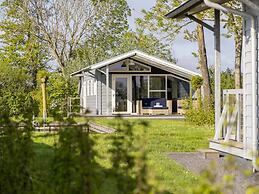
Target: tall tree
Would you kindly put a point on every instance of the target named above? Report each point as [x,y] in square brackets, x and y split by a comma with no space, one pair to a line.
[203,62]
[65,25]
[15,99]
[234,25]
[105,37]
[155,21]
[21,48]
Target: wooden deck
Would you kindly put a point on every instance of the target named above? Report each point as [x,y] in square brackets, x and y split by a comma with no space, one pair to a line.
[97,128]
[230,147]
[91,126]
[159,117]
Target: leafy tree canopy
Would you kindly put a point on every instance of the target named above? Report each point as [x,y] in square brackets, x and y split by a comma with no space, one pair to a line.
[21,47]
[87,55]
[15,98]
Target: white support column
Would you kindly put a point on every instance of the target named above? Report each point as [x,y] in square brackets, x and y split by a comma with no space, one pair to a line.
[217,67]
[254,94]
[107,90]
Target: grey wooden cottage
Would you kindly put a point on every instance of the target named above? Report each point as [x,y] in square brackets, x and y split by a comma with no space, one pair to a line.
[236,122]
[134,83]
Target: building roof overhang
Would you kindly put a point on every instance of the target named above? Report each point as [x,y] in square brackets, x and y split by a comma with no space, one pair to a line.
[145,58]
[191,7]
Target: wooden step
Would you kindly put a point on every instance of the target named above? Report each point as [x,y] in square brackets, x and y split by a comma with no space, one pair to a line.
[91,126]
[209,153]
[229,143]
[94,127]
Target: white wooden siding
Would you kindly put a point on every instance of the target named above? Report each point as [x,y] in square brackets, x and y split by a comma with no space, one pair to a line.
[247,85]
[101,93]
[89,101]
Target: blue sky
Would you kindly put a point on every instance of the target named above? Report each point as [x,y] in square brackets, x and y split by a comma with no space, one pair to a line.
[182,49]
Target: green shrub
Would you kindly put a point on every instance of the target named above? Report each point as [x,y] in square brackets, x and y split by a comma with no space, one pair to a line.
[200,117]
[202,112]
[16,156]
[197,114]
[59,89]
[15,96]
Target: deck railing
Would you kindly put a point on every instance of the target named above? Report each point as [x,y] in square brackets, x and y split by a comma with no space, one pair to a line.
[230,125]
[74,105]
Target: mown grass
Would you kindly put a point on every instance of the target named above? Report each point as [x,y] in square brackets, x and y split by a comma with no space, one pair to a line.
[161,138]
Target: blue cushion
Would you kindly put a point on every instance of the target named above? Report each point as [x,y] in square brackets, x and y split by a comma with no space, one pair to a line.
[154,103]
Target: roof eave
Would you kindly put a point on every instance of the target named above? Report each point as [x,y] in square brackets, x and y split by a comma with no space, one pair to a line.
[167,66]
[184,8]
[106,62]
[190,7]
[163,64]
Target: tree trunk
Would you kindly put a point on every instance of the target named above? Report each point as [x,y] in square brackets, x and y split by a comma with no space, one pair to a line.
[204,65]
[238,56]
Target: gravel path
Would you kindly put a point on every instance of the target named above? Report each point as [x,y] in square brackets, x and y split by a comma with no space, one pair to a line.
[194,162]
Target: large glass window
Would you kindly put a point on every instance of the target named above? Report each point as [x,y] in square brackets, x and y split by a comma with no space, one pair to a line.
[171,88]
[139,89]
[121,86]
[138,67]
[157,87]
[118,67]
[129,66]
[157,95]
[157,83]
[91,88]
[183,89]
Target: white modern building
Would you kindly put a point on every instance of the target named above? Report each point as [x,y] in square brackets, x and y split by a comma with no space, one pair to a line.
[134,83]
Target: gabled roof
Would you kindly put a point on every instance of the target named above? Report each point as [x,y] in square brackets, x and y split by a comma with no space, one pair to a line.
[145,58]
[191,7]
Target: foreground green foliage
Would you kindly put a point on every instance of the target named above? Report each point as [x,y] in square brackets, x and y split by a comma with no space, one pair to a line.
[69,163]
[16,152]
[74,169]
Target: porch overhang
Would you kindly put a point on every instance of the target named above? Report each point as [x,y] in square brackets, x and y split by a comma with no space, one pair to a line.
[191,7]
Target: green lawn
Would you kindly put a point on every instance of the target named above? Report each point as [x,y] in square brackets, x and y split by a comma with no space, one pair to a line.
[162,137]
